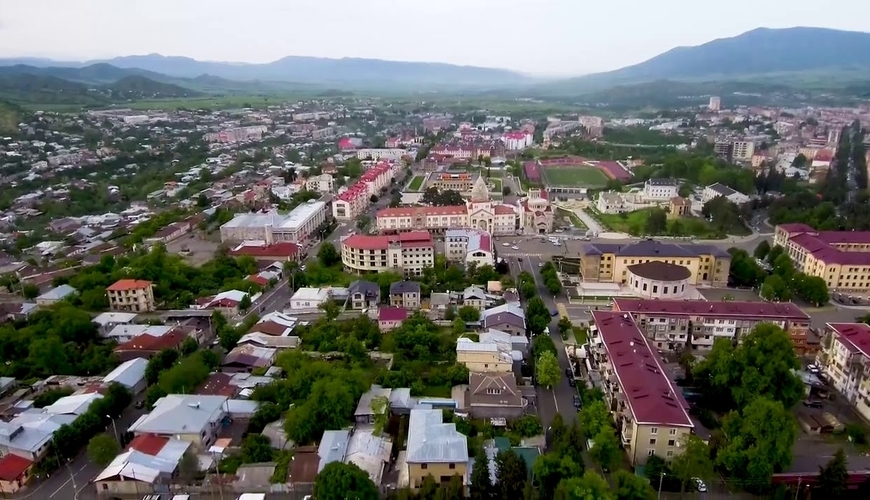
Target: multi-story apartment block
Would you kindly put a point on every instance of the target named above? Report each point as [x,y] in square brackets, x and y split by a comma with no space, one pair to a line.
[353,202]
[323,183]
[841,258]
[381,154]
[673,324]
[845,359]
[743,150]
[239,134]
[609,262]
[650,412]
[406,253]
[514,141]
[461,182]
[469,245]
[131,295]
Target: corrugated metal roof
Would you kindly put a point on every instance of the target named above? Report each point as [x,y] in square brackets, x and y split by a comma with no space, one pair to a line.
[431,440]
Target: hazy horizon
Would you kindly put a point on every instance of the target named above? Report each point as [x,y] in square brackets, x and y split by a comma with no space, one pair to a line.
[545,38]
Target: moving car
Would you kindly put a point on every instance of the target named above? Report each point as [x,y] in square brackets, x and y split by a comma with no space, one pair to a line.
[812,404]
[699,485]
[515,247]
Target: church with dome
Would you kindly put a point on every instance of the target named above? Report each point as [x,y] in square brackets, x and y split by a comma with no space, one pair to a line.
[532,214]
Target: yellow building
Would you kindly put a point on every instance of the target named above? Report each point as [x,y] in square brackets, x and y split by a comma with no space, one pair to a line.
[841,258]
[679,207]
[609,262]
[406,253]
[651,414]
[845,359]
[435,449]
[461,182]
[483,357]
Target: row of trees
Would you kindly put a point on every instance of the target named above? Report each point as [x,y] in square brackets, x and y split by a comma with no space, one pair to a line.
[785,281]
[551,278]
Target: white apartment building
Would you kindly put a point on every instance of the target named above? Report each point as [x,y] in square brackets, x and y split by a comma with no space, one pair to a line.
[323,183]
[239,134]
[407,253]
[743,150]
[661,189]
[469,245]
[378,154]
[715,104]
[845,359]
[296,227]
[514,141]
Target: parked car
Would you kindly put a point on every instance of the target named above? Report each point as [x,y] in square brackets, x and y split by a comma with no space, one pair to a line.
[699,485]
[813,404]
[577,402]
[569,373]
[571,382]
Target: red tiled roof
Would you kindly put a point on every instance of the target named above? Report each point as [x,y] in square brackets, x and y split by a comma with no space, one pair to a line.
[382,242]
[796,227]
[12,467]
[422,211]
[283,249]
[392,314]
[650,394]
[148,444]
[269,328]
[255,278]
[856,336]
[217,384]
[145,342]
[502,210]
[122,285]
[844,237]
[748,310]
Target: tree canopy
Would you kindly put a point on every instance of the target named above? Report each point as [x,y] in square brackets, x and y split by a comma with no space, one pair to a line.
[537,316]
[340,481]
[547,367]
[758,440]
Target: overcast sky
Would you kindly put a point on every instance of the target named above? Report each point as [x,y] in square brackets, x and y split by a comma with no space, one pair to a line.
[544,37]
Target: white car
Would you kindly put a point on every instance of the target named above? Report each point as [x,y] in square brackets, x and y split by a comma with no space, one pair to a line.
[699,485]
[515,247]
[505,244]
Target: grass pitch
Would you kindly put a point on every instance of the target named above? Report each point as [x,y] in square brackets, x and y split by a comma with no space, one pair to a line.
[580,176]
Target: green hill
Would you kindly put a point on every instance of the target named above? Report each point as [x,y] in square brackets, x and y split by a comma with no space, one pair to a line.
[140,87]
[9,118]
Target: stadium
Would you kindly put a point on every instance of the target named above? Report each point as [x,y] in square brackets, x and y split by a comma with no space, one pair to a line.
[573,175]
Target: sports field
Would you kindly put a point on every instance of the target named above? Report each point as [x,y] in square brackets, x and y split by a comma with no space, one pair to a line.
[579,175]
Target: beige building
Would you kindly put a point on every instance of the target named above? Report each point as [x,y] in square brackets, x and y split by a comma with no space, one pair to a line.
[679,207]
[609,262]
[131,295]
[650,412]
[845,359]
[435,449]
[675,323]
[484,357]
[841,258]
[461,182]
[406,253]
[743,150]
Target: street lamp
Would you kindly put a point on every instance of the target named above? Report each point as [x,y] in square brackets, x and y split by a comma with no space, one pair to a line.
[115,428]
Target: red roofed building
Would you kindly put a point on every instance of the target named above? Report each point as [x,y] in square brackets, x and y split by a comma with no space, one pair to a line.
[14,473]
[671,324]
[131,295]
[391,317]
[346,144]
[514,141]
[145,346]
[406,253]
[353,202]
[650,412]
[841,258]
[261,250]
[845,359]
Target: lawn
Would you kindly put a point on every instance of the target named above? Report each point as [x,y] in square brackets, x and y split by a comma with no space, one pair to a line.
[416,183]
[575,221]
[634,223]
[574,176]
[497,185]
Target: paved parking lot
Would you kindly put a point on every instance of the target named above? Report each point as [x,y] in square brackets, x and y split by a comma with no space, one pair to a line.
[196,248]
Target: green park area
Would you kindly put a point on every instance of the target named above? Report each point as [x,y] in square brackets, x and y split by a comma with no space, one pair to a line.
[575,221]
[575,176]
[416,183]
[654,221]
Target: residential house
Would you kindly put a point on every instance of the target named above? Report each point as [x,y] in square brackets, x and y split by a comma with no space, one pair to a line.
[55,295]
[227,303]
[365,411]
[107,321]
[146,346]
[247,358]
[405,294]
[435,449]
[485,356]
[29,433]
[170,233]
[147,466]
[15,471]
[508,318]
[475,297]
[126,333]
[717,189]
[130,374]
[391,317]
[309,299]
[650,412]
[194,418]
[494,395]
[357,446]
[74,404]
[364,295]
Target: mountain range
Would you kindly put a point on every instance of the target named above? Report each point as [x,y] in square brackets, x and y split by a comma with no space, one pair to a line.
[773,56]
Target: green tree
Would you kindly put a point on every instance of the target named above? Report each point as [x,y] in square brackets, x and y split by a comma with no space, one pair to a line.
[245,303]
[458,326]
[340,481]
[30,291]
[527,426]
[565,326]
[632,487]
[813,289]
[593,417]
[328,256]
[775,289]
[256,448]
[481,487]
[590,486]
[757,440]
[537,316]
[330,309]
[102,449]
[542,344]
[833,477]
[605,451]
[512,474]
[774,253]
[547,368]
[762,250]
[656,221]
[744,270]
[693,461]
[550,469]
[469,314]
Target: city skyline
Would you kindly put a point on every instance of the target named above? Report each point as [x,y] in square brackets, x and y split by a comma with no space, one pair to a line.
[546,38]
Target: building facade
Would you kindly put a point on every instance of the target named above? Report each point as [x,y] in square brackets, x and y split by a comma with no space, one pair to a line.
[841,258]
[131,296]
[406,253]
[660,189]
[298,226]
[845,359]
[469,246]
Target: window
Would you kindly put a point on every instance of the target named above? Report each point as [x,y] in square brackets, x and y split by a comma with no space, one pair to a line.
[670,453]
[672,432]
[493,392]
[652,441]
[424,466]
[650,452]
[654,430]
[671,442]
[452,466]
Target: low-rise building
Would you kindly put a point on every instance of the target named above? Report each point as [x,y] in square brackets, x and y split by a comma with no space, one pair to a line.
[469,246]
[390,318]
[677,323]
[298,226]
[308,299]
[461,182]
[406,294]
[508,318]
[494,395]
[131,295]
[323,183]
[661,189]
[435,449]
[488,357]
[194,418]
[55,295]
[845,359]
[841,258]
[407,253]
[650,412]
[15,471]
[364,295]
[717,189]
[263,251]
[147,466]
[679,207]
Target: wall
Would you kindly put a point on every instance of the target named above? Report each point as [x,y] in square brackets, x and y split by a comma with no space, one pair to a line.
[416,472]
